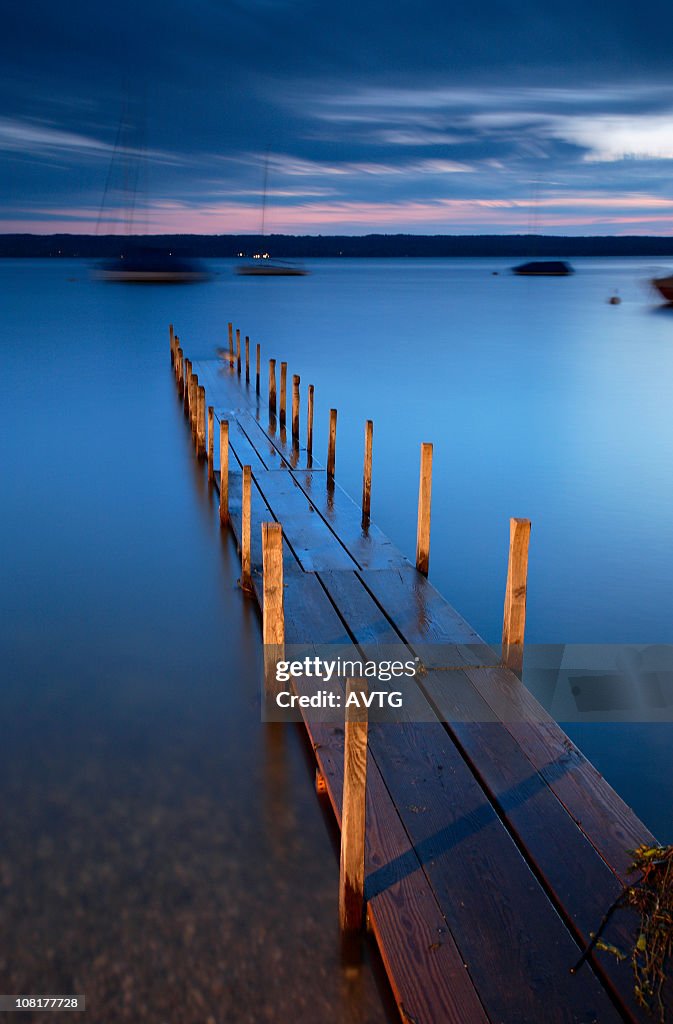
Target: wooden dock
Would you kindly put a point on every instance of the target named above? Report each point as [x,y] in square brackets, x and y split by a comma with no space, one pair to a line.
[493,848]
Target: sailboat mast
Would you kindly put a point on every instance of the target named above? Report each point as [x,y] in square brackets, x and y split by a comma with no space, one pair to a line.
[266,178]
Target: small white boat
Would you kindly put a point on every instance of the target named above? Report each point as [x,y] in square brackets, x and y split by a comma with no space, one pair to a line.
[261,265]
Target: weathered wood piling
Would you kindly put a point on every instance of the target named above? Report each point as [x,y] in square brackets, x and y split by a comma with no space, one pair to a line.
[514,620]
[367,474]
[424,505]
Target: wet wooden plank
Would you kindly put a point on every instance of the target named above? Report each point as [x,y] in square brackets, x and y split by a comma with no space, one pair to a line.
[424,965]
[506,925]
[425,620]
[296,457]
[369,547]
[239,443]
[314,544]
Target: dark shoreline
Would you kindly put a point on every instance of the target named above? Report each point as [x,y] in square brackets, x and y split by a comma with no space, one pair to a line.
[316,246]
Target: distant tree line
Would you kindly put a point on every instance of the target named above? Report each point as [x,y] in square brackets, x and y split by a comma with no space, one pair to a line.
[532,246]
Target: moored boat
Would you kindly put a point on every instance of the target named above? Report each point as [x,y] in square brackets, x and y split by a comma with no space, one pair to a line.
[151,266]
[664,286]
[544,268]
[262,265]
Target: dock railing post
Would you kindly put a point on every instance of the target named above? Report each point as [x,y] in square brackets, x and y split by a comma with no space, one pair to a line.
[246,575]
[367,474]
[309,421]
[331,446]
[201,422]
[352,860]
[193,393]
[247,359]
[295,409]
[424,505]
[273,609]
[238,351]
[211,443]
[514,619]
[258,367]
[283,393]
[272,387]
[224,472]
[231,344]
[188,378]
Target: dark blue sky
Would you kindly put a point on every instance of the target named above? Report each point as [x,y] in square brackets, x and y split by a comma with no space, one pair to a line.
[425,117]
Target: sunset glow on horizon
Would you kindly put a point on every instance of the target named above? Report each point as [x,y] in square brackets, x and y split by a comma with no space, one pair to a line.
[385,128]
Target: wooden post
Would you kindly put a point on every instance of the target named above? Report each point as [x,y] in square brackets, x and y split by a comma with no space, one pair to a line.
[309,421]
[181,365]
[192,401]
[247,359]
[172,343]
[367,474]
[331,448]
[258,367]
[514,620]
[224,472]
[273,611]
[211,443]
[231,344]
[188,378]
[295,409]
[424,503]
[352,861]
[272,386]
[246,576]
[238,351]
[283,392]
[201,422]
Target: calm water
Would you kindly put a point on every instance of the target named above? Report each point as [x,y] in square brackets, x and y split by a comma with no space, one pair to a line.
[160,848]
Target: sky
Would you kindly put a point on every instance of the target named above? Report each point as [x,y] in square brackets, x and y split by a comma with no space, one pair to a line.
[429,117]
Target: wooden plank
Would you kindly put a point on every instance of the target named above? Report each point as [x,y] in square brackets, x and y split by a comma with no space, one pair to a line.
[277,439]
[314,545]
[368,547]
[425,968]
[352,859]
[420,611]
[502,917]
[244,452]
[427,620]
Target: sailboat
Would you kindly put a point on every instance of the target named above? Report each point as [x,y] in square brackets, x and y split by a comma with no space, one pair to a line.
[261,264]
[137,262]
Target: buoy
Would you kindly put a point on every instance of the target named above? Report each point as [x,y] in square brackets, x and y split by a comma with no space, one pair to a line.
[614,300]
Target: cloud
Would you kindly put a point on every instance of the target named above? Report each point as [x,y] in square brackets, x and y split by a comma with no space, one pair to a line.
[39,138]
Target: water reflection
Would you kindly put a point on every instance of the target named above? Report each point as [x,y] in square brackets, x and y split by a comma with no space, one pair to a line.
[159,854]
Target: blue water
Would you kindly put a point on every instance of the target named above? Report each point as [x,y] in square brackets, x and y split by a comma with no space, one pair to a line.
[132,756]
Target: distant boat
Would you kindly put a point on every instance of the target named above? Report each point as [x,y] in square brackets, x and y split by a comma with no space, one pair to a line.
[138,263]
[261,265]
[142,265]
[543,268]
[664,286]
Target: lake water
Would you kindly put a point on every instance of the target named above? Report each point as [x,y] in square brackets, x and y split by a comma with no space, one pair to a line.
[160,848]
